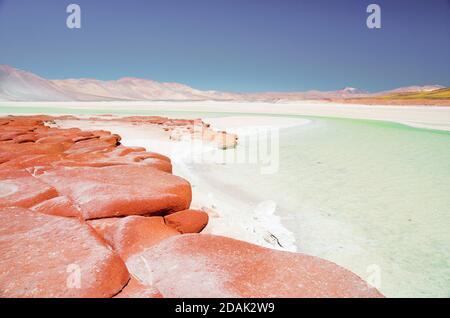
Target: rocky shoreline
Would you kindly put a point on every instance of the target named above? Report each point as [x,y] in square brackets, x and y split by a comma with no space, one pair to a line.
[84,216]
[178,129]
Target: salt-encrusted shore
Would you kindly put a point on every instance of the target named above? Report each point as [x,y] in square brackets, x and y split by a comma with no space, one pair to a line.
[85,216]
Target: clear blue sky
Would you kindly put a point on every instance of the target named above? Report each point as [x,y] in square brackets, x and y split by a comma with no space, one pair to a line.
[233,45]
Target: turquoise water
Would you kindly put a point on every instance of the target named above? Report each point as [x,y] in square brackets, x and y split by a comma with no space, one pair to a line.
[371,196]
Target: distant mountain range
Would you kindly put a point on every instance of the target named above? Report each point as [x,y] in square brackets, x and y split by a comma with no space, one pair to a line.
[18,85]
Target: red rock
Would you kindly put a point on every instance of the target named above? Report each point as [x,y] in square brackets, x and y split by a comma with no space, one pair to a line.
[31,148]
[55,140]
[22,121]
[140,156]
[20,188]
[26,138]
[111,139]
[60,206]
[187,221]
[49,256]
[132,234]
[84,138]
[123,151]
[120,190]
[83,135]
[6,156]
[88,146]
[103,133]
[66,132]
[158,164]
[136,289]
[114,158]
[200,265]
[10,135]
[120,153]
[30,161]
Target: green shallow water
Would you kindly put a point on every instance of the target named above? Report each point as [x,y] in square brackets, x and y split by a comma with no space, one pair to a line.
[371,196]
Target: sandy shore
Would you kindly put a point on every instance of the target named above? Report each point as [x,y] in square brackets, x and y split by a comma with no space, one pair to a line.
[418,116]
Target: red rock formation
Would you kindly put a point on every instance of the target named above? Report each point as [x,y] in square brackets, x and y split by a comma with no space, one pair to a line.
[22,149]
[49,256]
[19,188]
[200,265]
[118,156]
[61,206]
[180,129]
[66,155]
[131,235]
[55,140]
[91,145]
[187,221]
[119,190]
[31,161]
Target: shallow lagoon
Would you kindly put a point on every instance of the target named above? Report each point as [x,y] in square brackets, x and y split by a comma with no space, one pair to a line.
[371,196]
